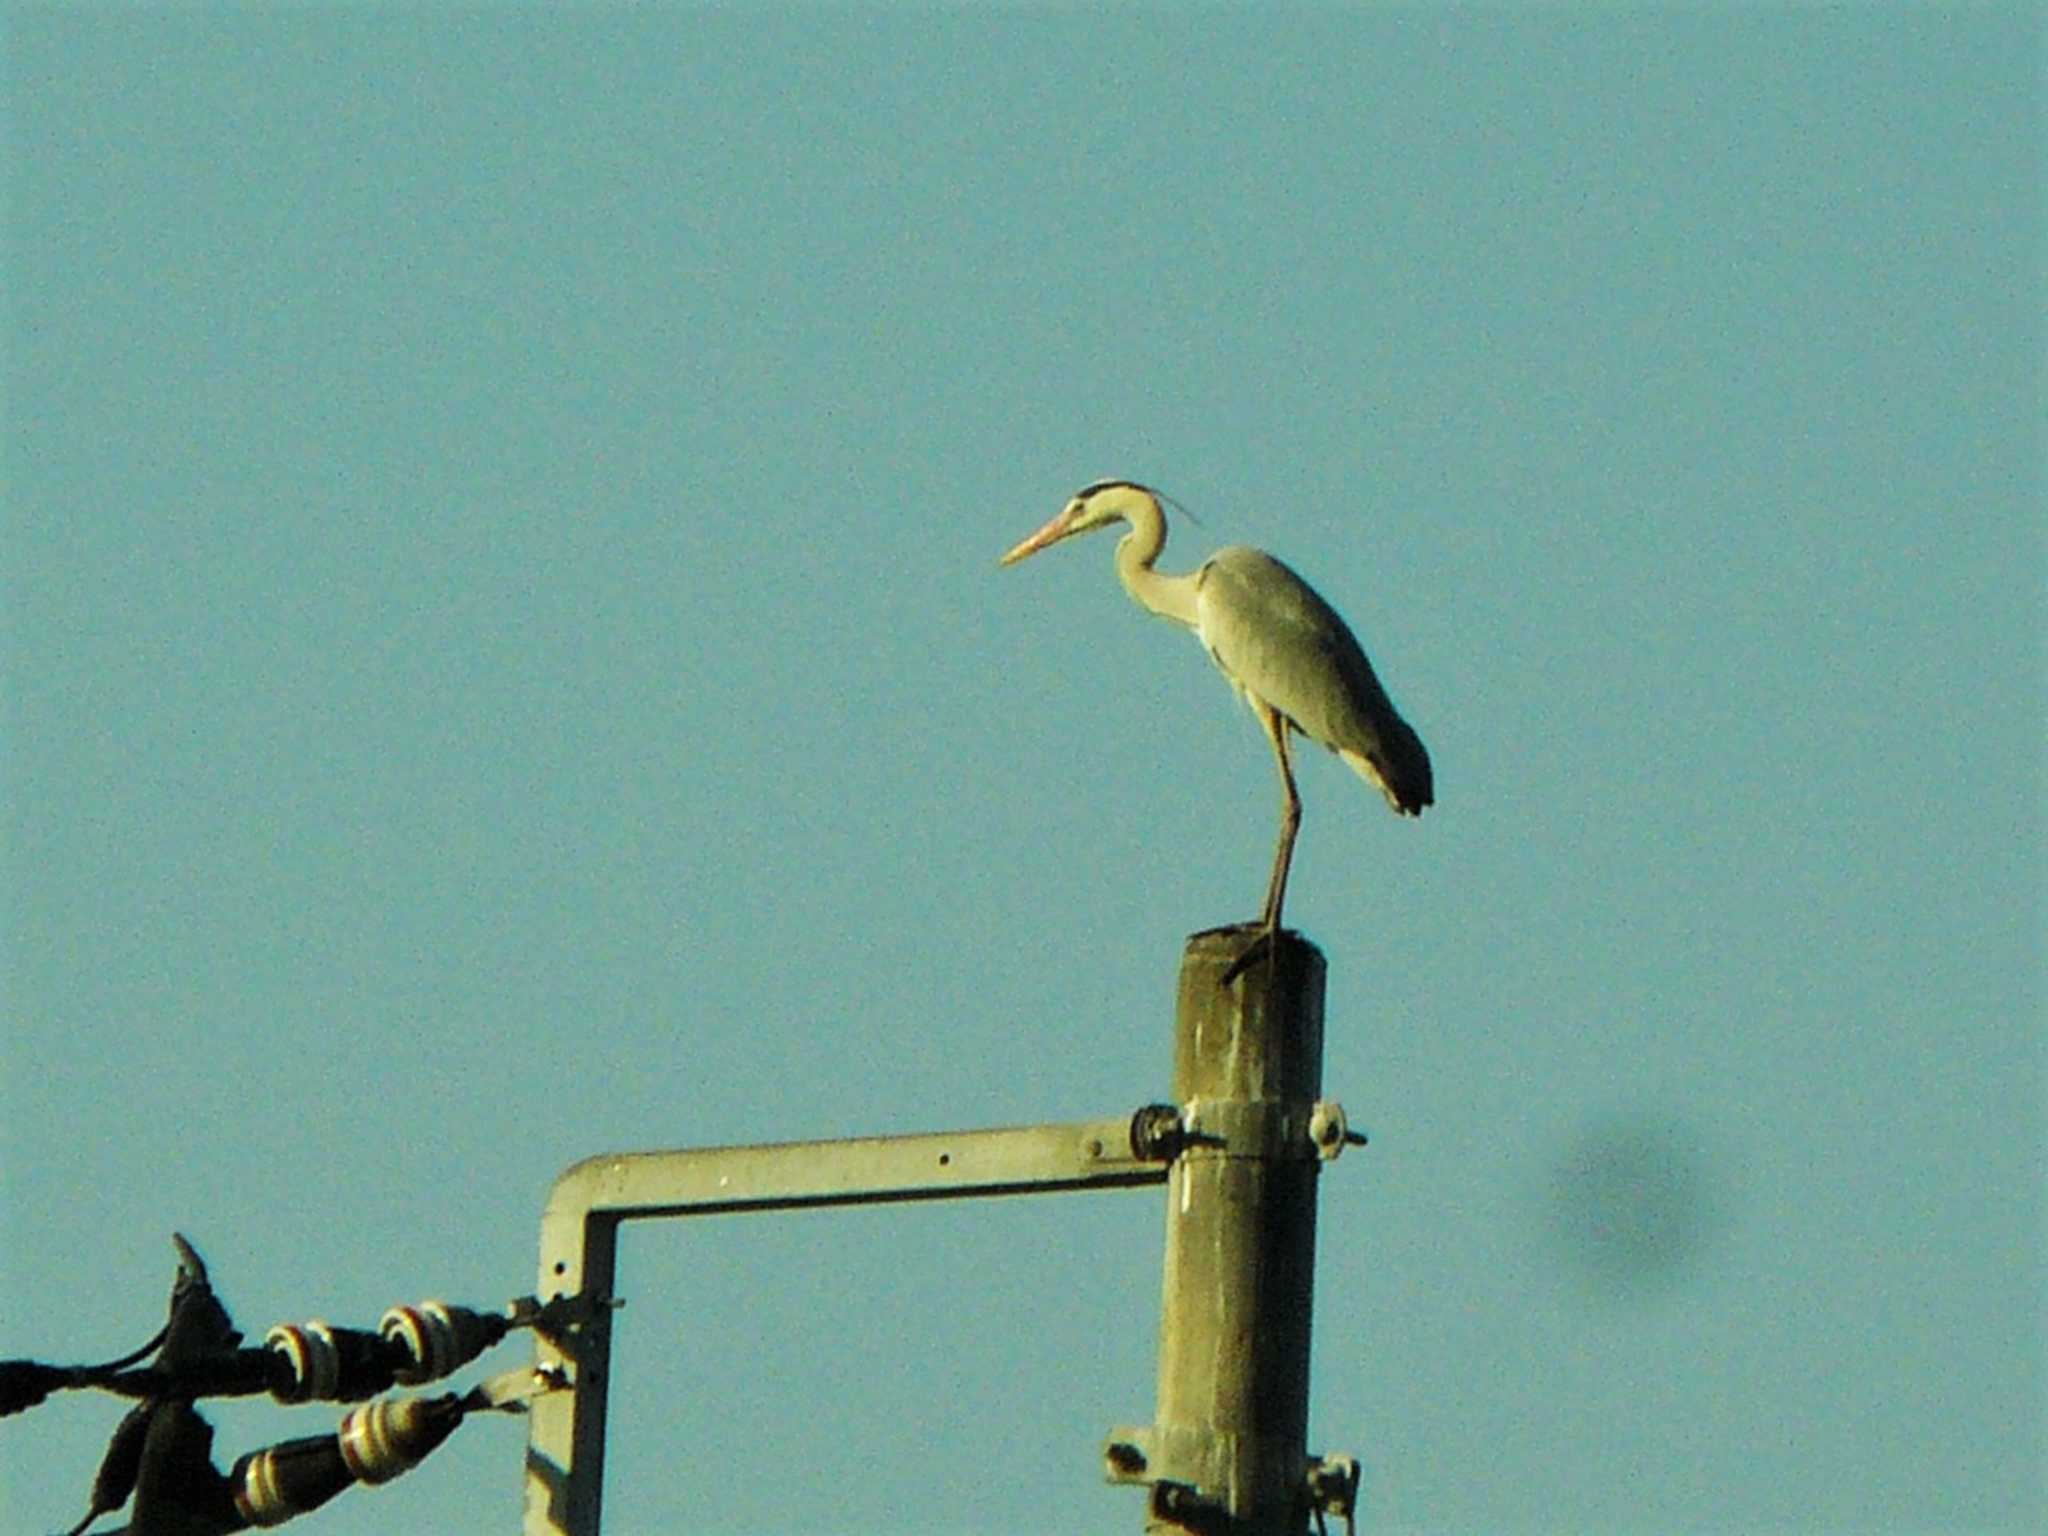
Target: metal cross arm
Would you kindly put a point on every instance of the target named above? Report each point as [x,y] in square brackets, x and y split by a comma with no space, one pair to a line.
[579,1245]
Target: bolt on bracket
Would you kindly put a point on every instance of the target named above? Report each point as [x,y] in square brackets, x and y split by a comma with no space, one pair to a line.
[1333,1490]
[1157,1133]
[1330,1131]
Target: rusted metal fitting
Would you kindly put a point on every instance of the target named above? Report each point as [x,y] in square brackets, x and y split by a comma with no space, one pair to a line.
[1333,1490]
[1157,1133]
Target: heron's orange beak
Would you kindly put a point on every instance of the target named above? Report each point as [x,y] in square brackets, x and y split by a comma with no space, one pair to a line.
[1051,533]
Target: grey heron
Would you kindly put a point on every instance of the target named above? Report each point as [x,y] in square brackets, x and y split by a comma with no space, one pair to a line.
[1284,649]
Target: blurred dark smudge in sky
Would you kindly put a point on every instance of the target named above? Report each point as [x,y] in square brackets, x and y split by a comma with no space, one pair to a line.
[1634,1205]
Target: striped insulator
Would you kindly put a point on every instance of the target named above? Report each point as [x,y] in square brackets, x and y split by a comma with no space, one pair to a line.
[382,1439]
[274,1484]
[436,1337]
[257,1495]
[315,1360]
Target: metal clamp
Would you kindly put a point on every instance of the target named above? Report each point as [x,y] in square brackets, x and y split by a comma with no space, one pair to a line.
[1190,1469]
[1333,1490]
[1254,1128]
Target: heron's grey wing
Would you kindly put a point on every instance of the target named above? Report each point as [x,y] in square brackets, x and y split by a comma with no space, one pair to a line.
[1275,637]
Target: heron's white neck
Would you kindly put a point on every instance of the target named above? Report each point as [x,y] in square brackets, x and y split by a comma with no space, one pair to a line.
[1171,597]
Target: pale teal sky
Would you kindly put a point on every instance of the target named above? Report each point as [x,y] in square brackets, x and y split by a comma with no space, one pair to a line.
[505,660]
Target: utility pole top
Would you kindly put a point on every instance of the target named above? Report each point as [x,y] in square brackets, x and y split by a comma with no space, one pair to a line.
[1266,998]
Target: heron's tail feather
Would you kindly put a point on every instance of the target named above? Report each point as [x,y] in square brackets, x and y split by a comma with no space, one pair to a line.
[1398,767]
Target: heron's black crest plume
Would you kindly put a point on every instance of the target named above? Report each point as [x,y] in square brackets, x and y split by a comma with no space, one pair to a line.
[1179,506]
[1150,490]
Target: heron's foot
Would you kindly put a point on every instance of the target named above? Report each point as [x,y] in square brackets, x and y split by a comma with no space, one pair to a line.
[1262,945]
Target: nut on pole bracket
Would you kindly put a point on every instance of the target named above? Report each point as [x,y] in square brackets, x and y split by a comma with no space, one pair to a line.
[1333,1490]
[1330,1131]
[1127,1455]
[1158,1133]
[1176,1464]
[1179,1457]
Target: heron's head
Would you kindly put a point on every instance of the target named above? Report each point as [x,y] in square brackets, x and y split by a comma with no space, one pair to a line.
[1093,506]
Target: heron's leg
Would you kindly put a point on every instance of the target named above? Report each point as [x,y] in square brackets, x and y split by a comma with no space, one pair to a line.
[1276,729]
[1290,817]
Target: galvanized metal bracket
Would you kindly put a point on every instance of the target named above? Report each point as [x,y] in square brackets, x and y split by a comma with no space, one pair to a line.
[560,1316]
[1266,1128]
[591,1199]
[1183,1466]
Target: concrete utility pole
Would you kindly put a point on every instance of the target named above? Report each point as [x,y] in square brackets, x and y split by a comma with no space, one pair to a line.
[1228,1453]
[1239,1150]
